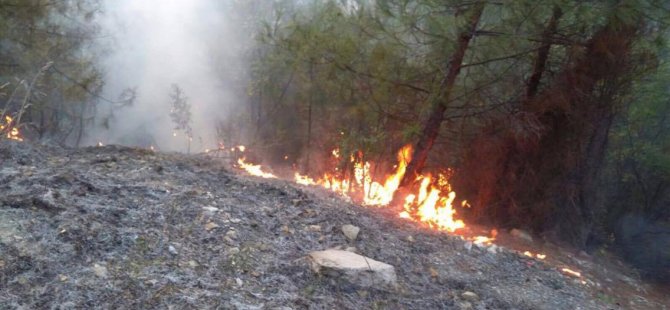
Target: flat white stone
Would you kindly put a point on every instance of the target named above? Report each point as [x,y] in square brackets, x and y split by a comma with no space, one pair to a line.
[358,269]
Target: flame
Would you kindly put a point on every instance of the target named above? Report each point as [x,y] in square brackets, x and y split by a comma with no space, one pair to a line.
[482,240]
[571,272]
[254,170]
[100,144]
[431,204]
[10,131]
[303,179]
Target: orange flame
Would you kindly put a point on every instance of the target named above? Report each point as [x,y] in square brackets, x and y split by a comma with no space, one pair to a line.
[254,170]
[10,131]
[571,272]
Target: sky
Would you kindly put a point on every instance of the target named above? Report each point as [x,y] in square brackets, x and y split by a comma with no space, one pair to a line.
[157,43]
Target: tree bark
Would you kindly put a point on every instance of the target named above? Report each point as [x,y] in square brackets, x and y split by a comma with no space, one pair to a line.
[542,55]
[431,127]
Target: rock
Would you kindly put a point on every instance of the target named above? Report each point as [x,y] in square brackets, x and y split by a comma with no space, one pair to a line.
[211,225]
[172,250]
[350,231]
[233,251]
[239,282]
[521,234]
[470,296]
[357,269]
[100,271]
[468,246]
[231,234]
[314,228]
[465,305]
[210,209]
[493,249]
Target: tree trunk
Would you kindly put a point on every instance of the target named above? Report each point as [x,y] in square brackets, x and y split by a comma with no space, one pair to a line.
[542,55]
[432,126]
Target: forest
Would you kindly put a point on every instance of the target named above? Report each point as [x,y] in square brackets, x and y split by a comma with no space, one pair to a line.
[552,116]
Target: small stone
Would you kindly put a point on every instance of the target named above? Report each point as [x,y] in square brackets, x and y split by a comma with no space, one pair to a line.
[285,229]
[172,250]
[470,296]
[62,277]
[351,249]
[468,246]
[239,282]
[192,264]
[235,220]
[521,234]
[233,251]
[211,225]
[465,305]
[410,238]
[210,209]
[433,272]
[2,263]
[231,234]
[229,241]
[100,271]
[314,228]
[493,249]
[351,232]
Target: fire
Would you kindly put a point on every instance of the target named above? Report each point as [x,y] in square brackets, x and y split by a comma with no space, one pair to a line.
[430,205]
[571,272]
[483,240]
[303,179]
[254,170]
[10,131]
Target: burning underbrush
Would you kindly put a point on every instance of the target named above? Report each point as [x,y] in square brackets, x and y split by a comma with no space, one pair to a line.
[116,227]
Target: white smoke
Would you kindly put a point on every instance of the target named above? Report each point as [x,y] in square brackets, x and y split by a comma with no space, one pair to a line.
[157,43]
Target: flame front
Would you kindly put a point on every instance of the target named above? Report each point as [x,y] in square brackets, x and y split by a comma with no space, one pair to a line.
[9,130]
[254,170]
[429,205]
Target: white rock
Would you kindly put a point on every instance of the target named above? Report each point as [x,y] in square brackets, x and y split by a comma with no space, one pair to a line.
[355,268]
[210,209]
[100,271]
[350,231]
[172,250]
[468,246]
[470,296]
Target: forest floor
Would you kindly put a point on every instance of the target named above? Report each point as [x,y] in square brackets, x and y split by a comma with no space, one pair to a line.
[116,227]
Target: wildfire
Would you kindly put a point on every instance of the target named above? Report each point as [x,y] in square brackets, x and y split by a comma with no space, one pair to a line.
[254,170]
[429,205]
[538,256]
[10,131]
[571,272]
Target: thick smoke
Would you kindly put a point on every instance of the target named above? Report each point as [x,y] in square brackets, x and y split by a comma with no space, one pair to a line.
[157,43]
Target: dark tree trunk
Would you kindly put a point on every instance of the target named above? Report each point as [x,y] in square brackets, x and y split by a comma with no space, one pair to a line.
[432,126]
[542,55]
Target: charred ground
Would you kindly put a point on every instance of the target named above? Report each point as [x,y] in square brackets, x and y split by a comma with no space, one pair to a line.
[116,227]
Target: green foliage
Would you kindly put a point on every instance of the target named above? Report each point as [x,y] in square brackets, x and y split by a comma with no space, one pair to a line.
[34,33]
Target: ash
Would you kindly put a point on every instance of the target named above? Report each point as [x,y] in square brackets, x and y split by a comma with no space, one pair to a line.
[116,227]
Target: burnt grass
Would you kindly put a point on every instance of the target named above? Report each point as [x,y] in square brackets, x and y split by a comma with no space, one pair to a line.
[116,227]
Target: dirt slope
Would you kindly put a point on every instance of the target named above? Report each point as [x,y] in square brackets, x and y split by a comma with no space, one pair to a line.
[115,227]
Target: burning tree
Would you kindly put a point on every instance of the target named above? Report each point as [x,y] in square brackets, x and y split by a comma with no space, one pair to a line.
[181,113]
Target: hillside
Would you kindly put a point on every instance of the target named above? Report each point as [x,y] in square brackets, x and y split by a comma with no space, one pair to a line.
[117,227]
